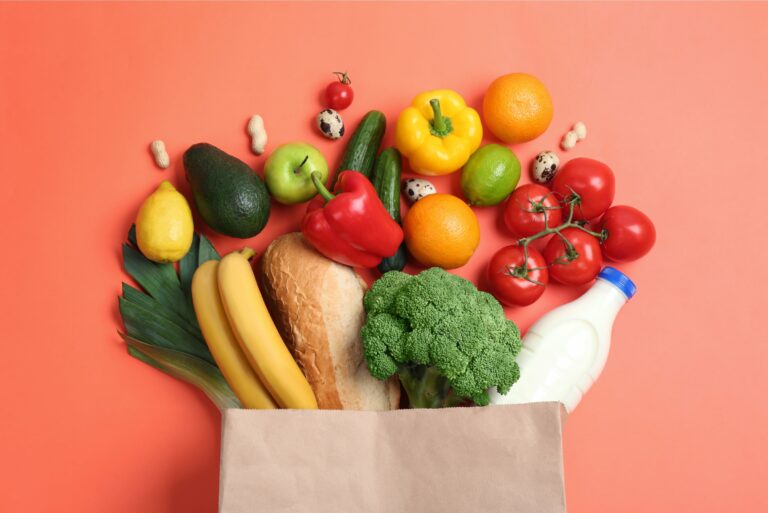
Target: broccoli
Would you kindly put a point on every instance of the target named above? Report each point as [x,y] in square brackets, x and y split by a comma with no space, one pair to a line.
[446,341]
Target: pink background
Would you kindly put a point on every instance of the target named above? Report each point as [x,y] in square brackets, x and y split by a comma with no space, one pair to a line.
[673,95]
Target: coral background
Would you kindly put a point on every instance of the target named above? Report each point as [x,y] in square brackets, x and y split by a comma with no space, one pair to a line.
[673,96]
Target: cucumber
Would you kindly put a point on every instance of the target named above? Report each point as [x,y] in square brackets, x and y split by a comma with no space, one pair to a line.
[386,181]
[362,147]
[395,262]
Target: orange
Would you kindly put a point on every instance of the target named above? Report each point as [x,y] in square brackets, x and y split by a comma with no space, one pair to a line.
[441,231]
[517,108]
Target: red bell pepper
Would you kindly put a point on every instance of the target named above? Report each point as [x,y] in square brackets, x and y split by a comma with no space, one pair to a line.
[351,227]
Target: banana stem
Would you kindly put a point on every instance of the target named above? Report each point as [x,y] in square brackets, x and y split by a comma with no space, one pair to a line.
[247,253]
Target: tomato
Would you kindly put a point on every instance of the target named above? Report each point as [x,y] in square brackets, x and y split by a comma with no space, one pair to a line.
[630,233]
[525,208]
[339,94]
[592,181]
[512,283]
[577,266]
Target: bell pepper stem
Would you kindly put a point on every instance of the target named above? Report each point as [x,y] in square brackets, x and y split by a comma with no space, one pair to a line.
[438,120]
[321,189]
[440,125]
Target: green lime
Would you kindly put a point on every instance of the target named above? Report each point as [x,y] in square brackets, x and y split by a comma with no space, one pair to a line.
[490,175]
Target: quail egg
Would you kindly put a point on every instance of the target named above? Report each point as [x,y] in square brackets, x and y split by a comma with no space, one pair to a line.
[417,188]
[330,124]
[544,166]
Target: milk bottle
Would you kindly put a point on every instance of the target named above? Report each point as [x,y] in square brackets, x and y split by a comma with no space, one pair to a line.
[565,350]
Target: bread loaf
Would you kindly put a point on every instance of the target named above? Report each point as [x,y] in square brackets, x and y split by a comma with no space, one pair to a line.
[317,306]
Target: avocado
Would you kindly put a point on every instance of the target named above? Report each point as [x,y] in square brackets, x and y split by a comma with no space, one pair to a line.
[231,198]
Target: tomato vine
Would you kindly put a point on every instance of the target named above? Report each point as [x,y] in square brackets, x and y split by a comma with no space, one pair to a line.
[538,207]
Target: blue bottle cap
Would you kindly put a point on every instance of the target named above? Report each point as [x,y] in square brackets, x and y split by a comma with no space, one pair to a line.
[619,279]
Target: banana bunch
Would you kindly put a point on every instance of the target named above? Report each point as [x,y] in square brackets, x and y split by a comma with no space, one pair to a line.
[243,338]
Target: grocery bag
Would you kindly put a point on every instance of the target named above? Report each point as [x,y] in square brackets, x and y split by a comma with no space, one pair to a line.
[490,459]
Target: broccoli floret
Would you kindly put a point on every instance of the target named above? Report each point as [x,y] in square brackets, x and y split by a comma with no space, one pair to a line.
[446,340]
[384,291]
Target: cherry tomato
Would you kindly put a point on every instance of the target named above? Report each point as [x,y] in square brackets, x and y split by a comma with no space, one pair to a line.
[577,265]
[525,208]
[591,180]
[631,233]
[339,94]
[514,284]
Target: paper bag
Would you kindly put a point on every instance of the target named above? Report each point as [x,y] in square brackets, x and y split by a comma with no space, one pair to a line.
[457,460]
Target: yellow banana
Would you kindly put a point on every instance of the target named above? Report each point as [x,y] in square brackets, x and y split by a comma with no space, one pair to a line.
[222,342]
[258,337]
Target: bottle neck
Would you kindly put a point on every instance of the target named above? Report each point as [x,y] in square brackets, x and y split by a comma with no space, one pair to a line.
[605,298]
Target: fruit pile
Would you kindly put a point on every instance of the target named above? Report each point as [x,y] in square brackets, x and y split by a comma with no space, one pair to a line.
[356,220]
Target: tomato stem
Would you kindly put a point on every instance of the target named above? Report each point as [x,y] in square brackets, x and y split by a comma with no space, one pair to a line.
[343,77]
[538,207]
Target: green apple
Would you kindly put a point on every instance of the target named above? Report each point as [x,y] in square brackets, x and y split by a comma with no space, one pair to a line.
[288,172]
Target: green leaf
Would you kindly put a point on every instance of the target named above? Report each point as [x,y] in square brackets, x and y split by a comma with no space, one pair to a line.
[206,251]
[159,280]
[132,236]
[188,265]
[195,371]
[149,325]
[138,297]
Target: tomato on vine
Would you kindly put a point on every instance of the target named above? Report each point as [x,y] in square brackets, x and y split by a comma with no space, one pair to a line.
[339,94]
[527,208]
[629,234]
[514,280]
[573,256]
[581,193]
[588,184]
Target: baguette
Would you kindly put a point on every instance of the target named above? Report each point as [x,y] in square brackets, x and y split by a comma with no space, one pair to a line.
[317,306]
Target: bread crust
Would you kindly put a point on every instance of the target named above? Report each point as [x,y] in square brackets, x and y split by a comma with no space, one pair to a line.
[317,307]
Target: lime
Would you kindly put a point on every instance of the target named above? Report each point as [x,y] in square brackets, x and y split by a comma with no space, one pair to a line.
[490,175]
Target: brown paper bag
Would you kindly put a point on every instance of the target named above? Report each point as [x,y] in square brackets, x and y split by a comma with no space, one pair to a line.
[457,460]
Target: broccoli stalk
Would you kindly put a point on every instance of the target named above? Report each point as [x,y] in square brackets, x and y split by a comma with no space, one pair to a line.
[446,341]
[427,388]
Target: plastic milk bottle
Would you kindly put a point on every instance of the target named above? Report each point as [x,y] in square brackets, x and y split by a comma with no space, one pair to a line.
[565,350]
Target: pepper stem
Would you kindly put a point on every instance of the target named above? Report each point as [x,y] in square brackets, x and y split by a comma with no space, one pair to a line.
[321,189]
[297,170]
[440,125]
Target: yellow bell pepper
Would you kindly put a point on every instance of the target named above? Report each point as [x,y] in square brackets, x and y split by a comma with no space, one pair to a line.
[438,132]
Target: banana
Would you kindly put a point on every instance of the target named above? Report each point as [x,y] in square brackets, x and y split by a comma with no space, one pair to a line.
[222,342]
[258,337]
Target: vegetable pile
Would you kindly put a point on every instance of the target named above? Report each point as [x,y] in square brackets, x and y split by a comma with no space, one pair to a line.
[444,340]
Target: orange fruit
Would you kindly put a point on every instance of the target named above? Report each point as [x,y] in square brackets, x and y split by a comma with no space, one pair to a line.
[517,108]
[441,231]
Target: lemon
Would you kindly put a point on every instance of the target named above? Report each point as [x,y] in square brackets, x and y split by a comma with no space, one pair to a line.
[164,227]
